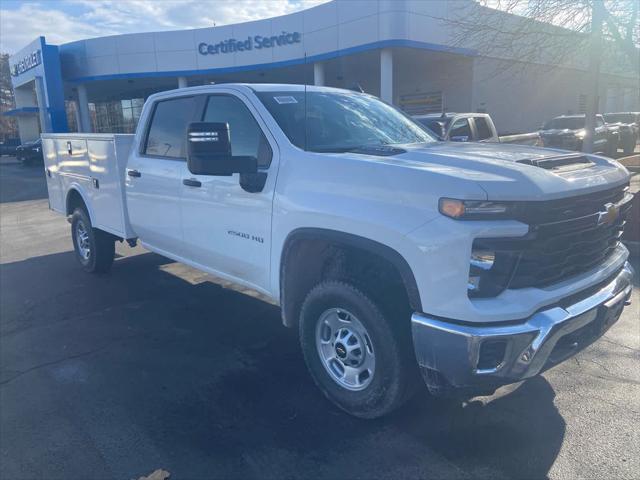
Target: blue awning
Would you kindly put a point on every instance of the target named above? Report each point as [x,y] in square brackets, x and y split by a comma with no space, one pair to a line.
[21,111]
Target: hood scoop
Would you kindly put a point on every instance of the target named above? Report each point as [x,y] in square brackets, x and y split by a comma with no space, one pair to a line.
[559,164]
[379,150]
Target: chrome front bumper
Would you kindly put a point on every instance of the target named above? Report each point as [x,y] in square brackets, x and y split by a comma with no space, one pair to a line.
[483,357]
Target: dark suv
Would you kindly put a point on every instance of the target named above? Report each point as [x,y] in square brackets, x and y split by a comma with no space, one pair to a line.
[8,146]
[629,127]
[568,131]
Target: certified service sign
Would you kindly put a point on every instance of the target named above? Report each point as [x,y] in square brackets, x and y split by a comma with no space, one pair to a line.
[27,63]
[255,42]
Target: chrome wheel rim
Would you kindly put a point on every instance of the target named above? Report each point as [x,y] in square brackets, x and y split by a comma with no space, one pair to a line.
[82,240]
[345,349]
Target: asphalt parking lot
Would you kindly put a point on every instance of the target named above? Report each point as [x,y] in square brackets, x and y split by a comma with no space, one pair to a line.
[155,366]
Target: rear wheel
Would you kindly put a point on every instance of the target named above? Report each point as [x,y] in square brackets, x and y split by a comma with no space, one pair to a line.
[629,146]
[94,248]
[355,353]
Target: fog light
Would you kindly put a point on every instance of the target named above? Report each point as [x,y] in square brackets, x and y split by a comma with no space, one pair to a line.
[491,354]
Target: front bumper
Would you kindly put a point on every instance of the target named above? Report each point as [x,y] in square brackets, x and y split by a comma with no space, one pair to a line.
[483,357]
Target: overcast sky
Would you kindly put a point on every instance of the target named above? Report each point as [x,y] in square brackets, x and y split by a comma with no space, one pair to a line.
[61,21]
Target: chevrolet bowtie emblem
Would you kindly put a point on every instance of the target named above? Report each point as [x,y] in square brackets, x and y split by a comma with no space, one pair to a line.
[610,214]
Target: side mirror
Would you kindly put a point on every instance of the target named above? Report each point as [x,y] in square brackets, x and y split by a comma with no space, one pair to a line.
[460,138]
[209,151]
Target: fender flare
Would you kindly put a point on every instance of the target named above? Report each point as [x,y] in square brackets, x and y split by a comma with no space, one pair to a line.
[78,189]
[354,241]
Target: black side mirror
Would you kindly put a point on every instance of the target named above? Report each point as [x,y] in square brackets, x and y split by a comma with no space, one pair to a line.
[209,151]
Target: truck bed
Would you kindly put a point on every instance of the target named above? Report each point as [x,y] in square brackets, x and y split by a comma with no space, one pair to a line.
[95,166]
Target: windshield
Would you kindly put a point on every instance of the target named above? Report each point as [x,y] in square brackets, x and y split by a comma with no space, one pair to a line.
[572,123]
[619,117]
[340,121]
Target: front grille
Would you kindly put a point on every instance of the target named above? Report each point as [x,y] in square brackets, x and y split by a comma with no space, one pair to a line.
[566,237]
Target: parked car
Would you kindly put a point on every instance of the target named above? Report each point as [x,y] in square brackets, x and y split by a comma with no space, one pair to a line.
[460,127]
[471,127]
[628,118]
[568,131]
[30,152]
[8,146]
[477,265]
[629,128]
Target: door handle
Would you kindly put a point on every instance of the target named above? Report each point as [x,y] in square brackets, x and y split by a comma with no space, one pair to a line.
[191,182]
[134,173]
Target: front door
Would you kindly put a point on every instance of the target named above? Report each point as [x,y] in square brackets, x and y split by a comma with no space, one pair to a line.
[154,176]
[226,221]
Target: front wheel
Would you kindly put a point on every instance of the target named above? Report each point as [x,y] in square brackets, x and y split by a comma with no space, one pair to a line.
[360,358]
[94,248]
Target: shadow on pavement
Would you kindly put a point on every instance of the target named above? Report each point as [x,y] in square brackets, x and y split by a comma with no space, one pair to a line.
[117,375]
[21,182]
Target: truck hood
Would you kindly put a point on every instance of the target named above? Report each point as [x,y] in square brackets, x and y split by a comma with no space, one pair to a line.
[506,172]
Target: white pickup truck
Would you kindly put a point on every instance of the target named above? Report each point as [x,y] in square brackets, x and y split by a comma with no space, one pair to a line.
[474,265]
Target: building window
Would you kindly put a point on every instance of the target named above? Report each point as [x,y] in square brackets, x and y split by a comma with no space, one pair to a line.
[72,115]
[421,103]
[117,116]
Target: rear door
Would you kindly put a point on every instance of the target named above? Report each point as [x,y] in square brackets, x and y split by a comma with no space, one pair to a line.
[154,175]
[226,221]
[484,131]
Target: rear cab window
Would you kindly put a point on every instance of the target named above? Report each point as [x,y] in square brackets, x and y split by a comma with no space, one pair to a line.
[482,128]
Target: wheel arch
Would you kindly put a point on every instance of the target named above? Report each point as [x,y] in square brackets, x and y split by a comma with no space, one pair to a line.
[292,290]
[76,198]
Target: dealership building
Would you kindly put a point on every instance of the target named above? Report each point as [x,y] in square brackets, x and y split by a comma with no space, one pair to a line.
[406,52]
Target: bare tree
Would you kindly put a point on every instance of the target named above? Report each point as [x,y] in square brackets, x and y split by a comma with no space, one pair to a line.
[8,127]
[553,33]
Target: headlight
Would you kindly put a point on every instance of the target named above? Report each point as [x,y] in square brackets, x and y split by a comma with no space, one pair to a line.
[475,209]
[489,269]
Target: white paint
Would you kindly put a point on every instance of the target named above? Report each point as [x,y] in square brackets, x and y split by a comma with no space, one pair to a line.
[318,73]
[386,75]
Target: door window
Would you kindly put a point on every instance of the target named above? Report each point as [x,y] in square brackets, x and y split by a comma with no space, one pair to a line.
[460,128]
[599,122]
[246,136]
[482,128]
[168,130]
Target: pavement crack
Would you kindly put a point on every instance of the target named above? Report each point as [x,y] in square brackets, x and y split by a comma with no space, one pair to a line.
[64,359]
[620,345]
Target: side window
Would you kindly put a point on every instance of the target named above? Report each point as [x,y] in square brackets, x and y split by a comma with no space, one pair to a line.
[461,128]
[599,122]
[482,127]
[247,138]
[168,128]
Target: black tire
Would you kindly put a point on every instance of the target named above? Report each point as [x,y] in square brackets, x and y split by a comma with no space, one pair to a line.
[395,374]
[629,147]
[101,245]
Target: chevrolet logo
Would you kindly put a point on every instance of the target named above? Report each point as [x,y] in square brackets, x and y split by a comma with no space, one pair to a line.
[610,214]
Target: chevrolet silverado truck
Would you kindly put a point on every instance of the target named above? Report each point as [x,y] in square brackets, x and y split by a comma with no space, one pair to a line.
[394,255]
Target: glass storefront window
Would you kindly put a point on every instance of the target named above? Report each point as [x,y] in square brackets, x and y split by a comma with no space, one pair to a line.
[117,116]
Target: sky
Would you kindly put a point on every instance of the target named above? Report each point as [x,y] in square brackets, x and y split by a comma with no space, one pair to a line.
[62,21]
